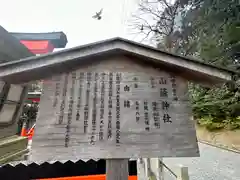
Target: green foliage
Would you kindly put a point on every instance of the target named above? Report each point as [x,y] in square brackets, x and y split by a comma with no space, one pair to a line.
[217,30]
[216,108]
[217,27]
[210,124]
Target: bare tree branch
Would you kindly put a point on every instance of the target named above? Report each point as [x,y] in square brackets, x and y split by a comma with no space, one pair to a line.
[157,19]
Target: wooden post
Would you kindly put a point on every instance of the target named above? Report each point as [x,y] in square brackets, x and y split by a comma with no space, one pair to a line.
[117,169]
[183,173]
[160,169]
[148,167]
[141,172]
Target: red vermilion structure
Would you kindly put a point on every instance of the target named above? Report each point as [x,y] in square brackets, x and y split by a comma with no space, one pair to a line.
[41,43]
[39,47]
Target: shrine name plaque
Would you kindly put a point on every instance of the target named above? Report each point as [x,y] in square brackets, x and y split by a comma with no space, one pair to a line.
[114,115]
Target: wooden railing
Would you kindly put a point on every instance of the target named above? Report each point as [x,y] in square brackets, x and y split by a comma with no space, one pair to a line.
[153,169]
[12,148]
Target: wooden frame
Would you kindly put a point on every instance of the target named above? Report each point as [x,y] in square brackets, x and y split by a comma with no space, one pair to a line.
[66,60]
[18,108]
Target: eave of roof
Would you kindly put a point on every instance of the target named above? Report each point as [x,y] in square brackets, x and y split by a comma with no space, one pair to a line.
[57,61]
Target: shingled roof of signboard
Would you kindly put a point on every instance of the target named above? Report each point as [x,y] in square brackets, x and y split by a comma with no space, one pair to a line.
[31,68]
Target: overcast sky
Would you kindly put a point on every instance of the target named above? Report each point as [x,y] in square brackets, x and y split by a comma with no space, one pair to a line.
[73,17]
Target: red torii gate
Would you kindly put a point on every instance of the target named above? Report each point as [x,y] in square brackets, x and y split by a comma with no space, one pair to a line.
[41,43]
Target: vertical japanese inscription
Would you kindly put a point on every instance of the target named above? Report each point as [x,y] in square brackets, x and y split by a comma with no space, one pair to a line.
[135,80]
[165,108]
[165,104]
[138,115]
[86,107]
[102,91]
[163,90]
[137,111]
[70,109]
[152,82]
[156,116]
[174,86]
[57,93]
[110,94]
[94,110]
[118,125]
[81,78]
[62,106]
[146,116]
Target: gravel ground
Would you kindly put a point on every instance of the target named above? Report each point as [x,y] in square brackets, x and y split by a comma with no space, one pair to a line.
[213,164]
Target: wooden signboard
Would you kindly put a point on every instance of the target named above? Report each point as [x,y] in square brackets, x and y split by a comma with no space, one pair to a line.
[100,113]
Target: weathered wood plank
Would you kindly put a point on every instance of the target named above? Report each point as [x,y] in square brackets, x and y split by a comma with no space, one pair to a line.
[74,119]
[12,147]
[117,169]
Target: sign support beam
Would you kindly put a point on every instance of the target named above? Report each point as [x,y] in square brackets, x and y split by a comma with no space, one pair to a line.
[117,169]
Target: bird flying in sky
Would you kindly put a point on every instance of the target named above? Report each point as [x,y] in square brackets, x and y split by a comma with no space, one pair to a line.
[98,15]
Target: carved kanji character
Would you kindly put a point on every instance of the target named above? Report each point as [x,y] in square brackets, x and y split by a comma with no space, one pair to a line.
[165,105]
[162,81]
[167,118]
[163,92]
[127,104]
[126,88]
